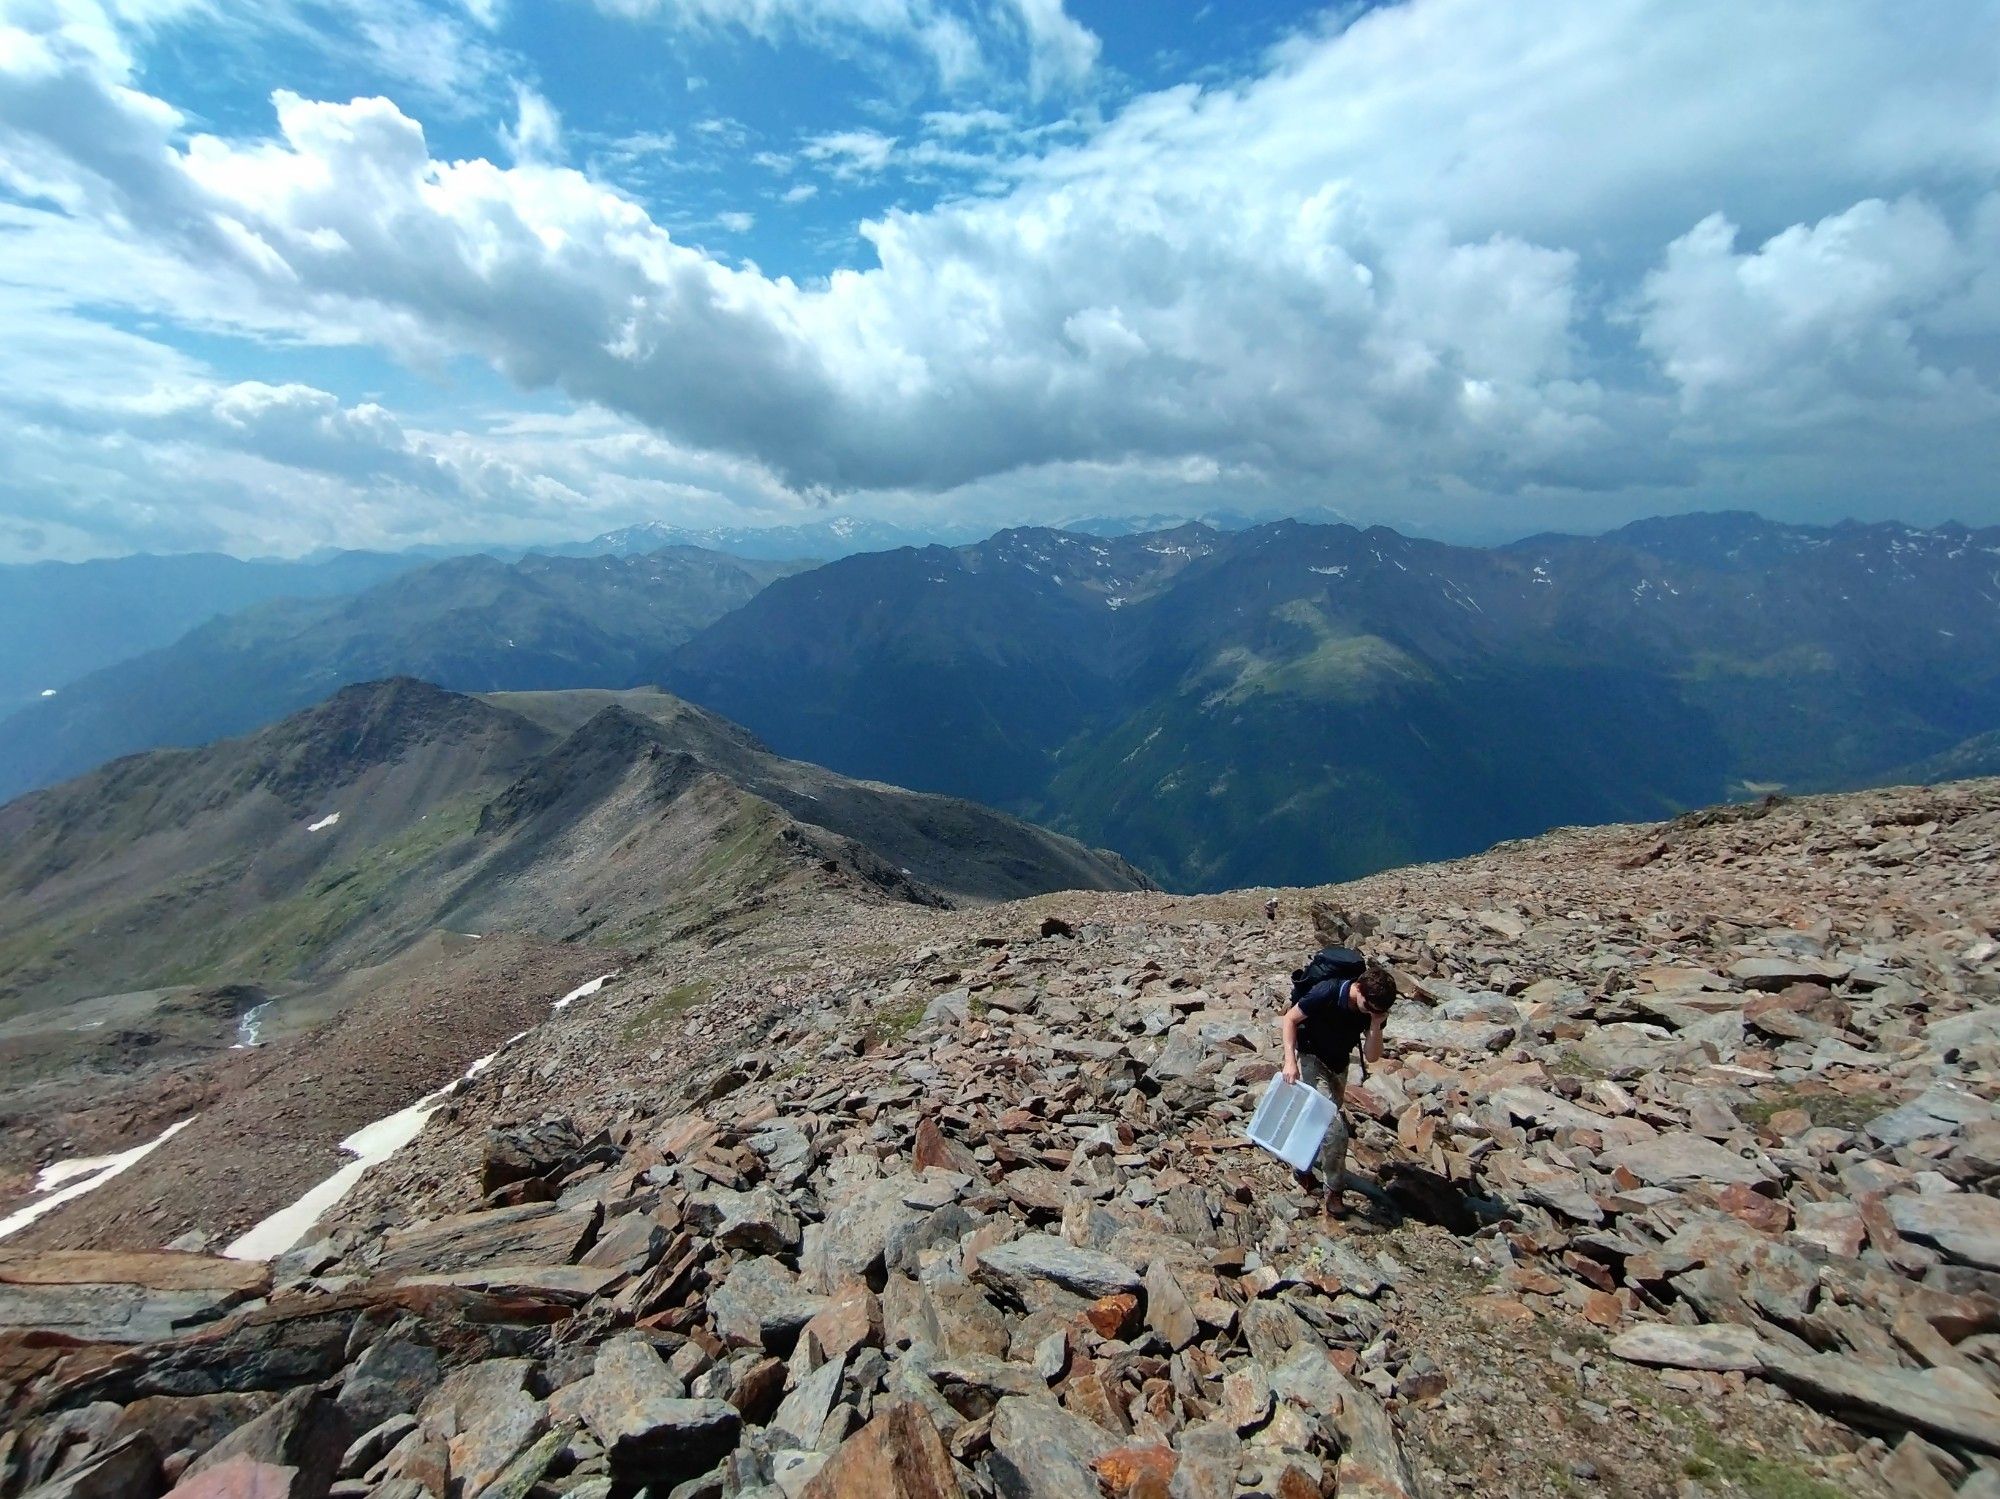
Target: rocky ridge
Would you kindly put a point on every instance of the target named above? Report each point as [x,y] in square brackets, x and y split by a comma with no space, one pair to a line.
[1678,1176]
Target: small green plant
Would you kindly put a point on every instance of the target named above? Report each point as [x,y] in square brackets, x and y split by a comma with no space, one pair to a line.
[1828,1109]
[662,1008]
[1759,1476]
[1567,1063]
[891,1022]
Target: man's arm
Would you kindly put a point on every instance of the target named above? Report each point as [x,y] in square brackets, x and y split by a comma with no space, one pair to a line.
[1371,1048]
[1288,1028]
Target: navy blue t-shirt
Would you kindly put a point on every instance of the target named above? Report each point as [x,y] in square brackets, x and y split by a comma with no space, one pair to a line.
[1331,1029]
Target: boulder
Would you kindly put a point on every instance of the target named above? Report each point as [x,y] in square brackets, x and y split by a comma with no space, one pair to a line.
[1774,972]
[129,1469]
[1041,1451]
[860,1219]
[763,1305]
[1946,1405]
[1016,1266]
[898,1455]
[652,1435]
[517,1152]
[1964,1226]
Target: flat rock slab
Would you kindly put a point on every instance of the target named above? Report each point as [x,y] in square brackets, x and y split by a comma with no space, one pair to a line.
[122,1298]
[576,1283]
[1018,1264]
[1684,1161]
[1781,972]
[1942,1404]
[1963,1225]
[536,1233]
[239,1478]
[1717,1346]
[159,1271]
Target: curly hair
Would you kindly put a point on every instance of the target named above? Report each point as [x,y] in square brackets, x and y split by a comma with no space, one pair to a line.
[1377,986]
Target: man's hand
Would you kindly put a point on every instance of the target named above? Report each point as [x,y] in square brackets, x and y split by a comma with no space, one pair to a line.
[1291,1070]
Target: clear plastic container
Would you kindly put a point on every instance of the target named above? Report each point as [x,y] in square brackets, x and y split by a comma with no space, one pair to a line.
[1291,1121]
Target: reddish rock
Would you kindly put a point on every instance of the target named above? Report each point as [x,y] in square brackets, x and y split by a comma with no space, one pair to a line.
[238,1478]
[1137,1472]
[934,1148]
[1113,1316]
[898,1455]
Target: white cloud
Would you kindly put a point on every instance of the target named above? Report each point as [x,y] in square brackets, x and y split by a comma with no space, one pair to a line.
[851,153]
[1062,50]
[536,134]
[1454,249]
[736,221]
[959,42]
[801,192]
[1822,322]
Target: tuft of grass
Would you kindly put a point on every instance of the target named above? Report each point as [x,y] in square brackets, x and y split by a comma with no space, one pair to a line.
[891,1022]
[662,1008]
[1566,1063]
[1830,1110]
[1756,1475]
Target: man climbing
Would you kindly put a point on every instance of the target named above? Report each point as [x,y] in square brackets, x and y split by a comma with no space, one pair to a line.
[1320,1029]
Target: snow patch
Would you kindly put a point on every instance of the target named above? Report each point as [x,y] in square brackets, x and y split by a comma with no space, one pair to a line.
[324,823]
[583,991]
[250,1026]
[83,1175]
[370,1145]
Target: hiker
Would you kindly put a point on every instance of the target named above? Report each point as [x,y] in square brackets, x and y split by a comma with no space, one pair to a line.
[1326,1019]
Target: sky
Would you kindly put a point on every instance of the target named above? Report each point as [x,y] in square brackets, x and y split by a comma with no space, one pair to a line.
[289,275]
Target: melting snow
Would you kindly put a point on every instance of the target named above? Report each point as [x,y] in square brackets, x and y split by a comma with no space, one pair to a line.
[325,822]
[583,991]
[1329,572]
[370,1145]
[48,692]
[250,1026]
[83,1175]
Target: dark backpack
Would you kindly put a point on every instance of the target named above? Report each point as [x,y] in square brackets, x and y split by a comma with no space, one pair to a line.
[1327,963]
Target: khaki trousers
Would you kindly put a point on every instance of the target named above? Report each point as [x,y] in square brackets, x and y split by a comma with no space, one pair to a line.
[1331,1161]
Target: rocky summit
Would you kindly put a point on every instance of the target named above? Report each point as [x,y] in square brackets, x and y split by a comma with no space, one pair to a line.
[1676,1179]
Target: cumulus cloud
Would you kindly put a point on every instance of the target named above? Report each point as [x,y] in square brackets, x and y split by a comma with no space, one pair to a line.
[1823,322]
[1449,248]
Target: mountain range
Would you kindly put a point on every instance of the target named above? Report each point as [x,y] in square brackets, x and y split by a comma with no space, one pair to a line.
[341,835]
[470,623]
[1283,703]
[61,620]
[1297,703]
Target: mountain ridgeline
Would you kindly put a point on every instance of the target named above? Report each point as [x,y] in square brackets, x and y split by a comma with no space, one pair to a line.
[343,834]
[472,624]
[1299,703]
[1287,703]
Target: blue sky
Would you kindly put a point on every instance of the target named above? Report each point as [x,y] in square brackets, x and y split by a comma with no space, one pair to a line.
[385,272]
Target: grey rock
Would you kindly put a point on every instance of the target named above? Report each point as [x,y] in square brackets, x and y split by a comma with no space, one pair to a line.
[762,1305]
[1041,1451]
[1965,1226]
[1015,1266]
[1683,1160]
[1717,1346]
